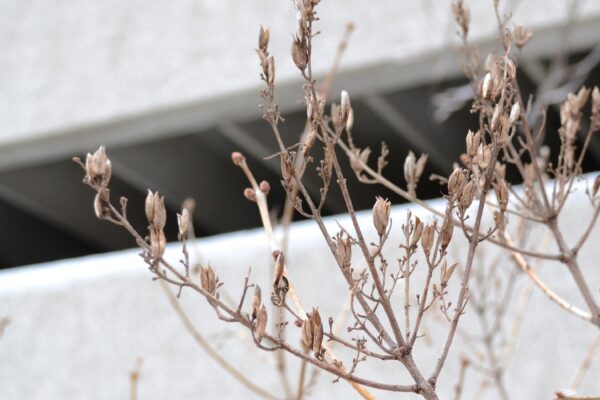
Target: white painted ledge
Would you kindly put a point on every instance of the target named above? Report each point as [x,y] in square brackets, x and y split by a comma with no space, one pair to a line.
[78,325]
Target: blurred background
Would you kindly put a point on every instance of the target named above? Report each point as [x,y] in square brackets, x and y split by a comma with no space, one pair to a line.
[171,89]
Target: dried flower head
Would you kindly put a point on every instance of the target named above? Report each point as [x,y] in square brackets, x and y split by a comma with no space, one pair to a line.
[208,279]
[522,35]
[183,222]
[156,212]
[261,324]
[263,39]
[98,167]
[427,238]
[345,106]
[343,247]
[381,215]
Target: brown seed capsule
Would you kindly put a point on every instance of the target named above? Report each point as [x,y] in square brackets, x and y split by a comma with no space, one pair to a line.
[486,87]
[446,273]
[270,70]
[345,106]
[446,233]
[307,335]
[515,113]
[410,167]
[502,194]
[158,242]
[350,120]
[427,238]
[208,279]
[101,204]
[473,140]
[261,324]
[317,332]
[418,230]
[156,212]
[256,302]
[343,247]
[467,195]
[263,39]
[299,55]
[381,215]
[456,182]
[183,222]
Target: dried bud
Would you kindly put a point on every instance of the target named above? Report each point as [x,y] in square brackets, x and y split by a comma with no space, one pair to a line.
[299,54]
[265,187]
[446,233]
[350,120]
[456,182]
[237,158]
[381,215]
[502,194]
[208,279]
[261,324]
[250,194]
[263,39]
[270,70]
[473,140]
[183,221]
[446,273]
[256,302]
[101,204]
[343,247]
[418,230]
[307,334]
[420,167]
[158,242]
[522,35]
[486,87]
[466,197]
[496,117]
[345,106]
[410,167]
[484,156]
[515,113]
[427,238]
[156,211]
[317,332]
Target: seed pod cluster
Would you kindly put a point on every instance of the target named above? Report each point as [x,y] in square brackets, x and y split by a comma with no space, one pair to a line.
[208,279]
[157,218]
[312,334]
[381,215]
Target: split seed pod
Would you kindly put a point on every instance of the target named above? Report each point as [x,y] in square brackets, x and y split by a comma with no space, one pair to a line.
[381,215]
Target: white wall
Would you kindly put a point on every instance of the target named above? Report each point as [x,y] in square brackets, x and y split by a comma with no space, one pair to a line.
[78,325]
[121,69]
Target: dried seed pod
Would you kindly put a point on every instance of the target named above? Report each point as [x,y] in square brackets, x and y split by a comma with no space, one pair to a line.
[467,195]
[208,279]
[261,324]
[101,204]
[317,332]
[350,120]
[409,167]
[495,117]
[456,182]
[343,247]
[515,113]
[156,212]
[427,238]
[270,70]
[158,242]
[486,87]
[446,273]
[345,106]
[446,233]
[502,194]
[307,335]
[299,55]
[381,215]
[473,140]
[522,36]
[420,167]
[183,222]
[418,230]
[310,141]
[256,302]
[263,39]
[484,156]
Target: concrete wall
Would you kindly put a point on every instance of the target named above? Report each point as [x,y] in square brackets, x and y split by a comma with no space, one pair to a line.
[74,68]
[77,326]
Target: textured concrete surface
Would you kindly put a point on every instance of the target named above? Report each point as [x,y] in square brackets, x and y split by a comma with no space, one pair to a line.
[78,325]
[68,64]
